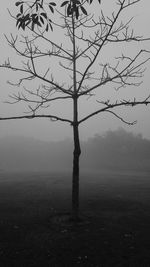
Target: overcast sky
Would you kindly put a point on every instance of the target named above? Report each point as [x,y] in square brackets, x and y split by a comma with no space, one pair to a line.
[44,129]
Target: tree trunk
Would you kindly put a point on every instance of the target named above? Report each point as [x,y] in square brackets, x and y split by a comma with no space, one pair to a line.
[75,175]
[77,150]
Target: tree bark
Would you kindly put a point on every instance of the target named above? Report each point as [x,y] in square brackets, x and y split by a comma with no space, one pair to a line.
[75,175]
[77,149]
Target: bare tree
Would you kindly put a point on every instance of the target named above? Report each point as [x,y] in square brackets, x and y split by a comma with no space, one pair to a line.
[84,36]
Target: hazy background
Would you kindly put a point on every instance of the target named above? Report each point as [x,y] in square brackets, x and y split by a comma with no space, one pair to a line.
[113,151]
[46,130]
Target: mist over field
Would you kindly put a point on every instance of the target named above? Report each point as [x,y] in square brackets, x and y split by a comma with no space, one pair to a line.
[114,150]
[114,198]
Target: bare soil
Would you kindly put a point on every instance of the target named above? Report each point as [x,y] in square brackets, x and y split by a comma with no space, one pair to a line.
[35,229]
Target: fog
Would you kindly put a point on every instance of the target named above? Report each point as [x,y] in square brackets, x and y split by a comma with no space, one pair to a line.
[48,131]
[112,151]
[36,165]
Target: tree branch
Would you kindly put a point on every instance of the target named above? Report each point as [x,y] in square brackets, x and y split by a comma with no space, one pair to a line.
[109,106]
[34,75]
[129,71]
[113,21]
[51,117]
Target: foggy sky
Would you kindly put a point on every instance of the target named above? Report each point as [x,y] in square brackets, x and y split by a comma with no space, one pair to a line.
[46,130]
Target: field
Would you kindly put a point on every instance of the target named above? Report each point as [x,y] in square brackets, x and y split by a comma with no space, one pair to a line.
[114,230]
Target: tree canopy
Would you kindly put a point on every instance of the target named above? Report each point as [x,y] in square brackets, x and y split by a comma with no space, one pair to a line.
[36,14]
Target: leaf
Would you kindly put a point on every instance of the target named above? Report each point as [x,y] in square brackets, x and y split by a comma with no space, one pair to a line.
[37,7]
[51,8]
[18,21]
[21,8]
[28,22]
[41,19]
[44,15]
[83,10]
[32,26]
[37,22]
[46,28]
[77,2]
[52,4]
[51,26]
[18,15]
[26,17]
[69,11]
[77,12]
[41,6]
[23,26]
[19,26]
[18,3]
[34,16]
[64,3]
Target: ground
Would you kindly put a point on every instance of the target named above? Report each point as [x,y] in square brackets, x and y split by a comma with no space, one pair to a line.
[114,229]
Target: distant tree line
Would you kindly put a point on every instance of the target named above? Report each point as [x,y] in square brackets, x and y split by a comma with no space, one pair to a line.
[118,150]
[114,150]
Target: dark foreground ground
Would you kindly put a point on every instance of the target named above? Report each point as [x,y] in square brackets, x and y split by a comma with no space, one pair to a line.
[115,230]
